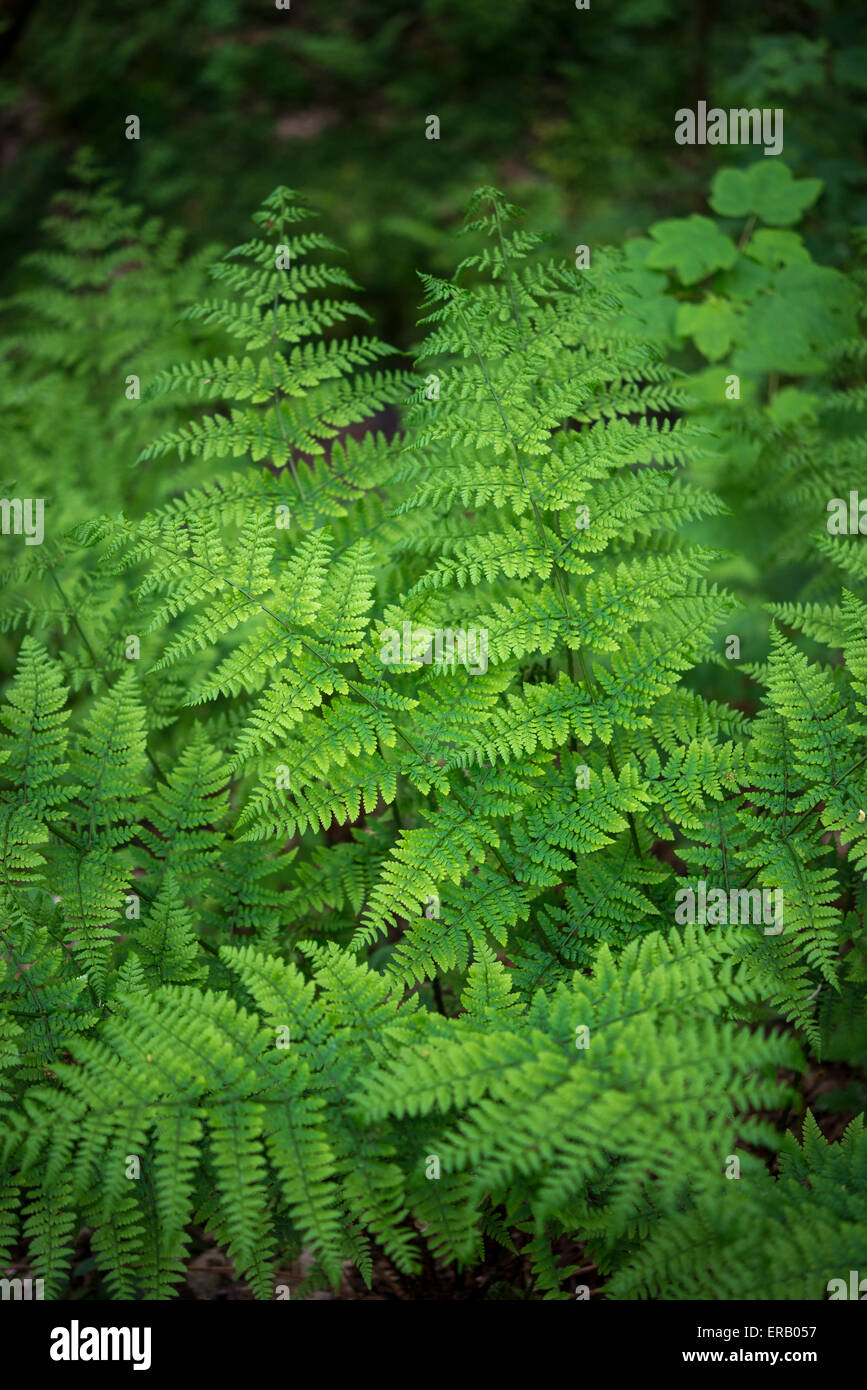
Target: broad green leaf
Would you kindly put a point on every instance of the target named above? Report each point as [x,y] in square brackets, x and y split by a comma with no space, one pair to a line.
[791,329]
[766,190]
[712,325]
[775,248]
[692,246]
[790,405]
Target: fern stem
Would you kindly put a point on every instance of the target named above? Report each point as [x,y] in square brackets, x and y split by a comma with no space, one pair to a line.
[277,397]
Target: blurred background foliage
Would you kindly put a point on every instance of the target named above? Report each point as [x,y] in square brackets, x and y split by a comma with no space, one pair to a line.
[571,111]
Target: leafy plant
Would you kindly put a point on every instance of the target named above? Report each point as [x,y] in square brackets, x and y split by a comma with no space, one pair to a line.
[341,906]
[772,345]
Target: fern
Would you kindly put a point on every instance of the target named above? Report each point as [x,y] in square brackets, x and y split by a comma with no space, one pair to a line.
[349,795]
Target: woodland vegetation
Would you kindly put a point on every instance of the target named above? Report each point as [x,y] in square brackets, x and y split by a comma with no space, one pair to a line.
[433,613]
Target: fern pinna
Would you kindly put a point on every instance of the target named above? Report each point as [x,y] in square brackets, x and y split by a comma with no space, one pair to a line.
[343,905]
